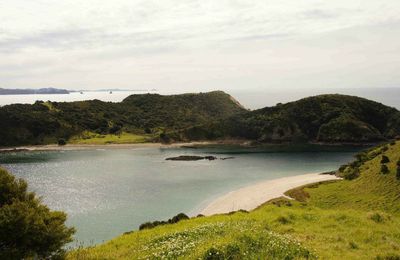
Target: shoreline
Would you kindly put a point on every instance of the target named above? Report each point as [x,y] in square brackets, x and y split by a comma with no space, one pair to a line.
[194,144]
[251,197]
[67,147]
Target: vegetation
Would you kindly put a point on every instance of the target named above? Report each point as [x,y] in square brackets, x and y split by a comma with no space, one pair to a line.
[204,116]
[324,118]
[122,138]
[173,220]
[28,229]
[348,219]
[138,118]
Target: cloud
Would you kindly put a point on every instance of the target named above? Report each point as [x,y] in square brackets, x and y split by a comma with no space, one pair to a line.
[171,43]
[319,14]
[48,39]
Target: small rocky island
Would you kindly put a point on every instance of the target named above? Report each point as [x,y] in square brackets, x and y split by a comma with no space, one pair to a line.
[195,158]
[191,158]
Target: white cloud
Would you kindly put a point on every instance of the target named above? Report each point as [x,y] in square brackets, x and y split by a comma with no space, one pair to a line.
[198,45]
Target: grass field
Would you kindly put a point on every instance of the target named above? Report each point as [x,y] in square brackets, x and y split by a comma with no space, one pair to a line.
[123,138]
[348,219]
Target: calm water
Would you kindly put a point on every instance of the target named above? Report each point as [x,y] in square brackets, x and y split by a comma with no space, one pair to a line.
[110,191]
[249,98]
[116,96]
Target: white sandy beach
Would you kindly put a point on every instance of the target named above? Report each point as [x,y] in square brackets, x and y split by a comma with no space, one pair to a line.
[250,197]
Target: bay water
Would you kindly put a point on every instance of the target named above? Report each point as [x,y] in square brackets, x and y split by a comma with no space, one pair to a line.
[109,191]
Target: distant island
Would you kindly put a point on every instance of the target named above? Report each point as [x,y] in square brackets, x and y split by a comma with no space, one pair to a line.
[4,91]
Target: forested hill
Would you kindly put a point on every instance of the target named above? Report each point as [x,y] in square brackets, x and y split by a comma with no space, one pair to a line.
[146,114]
[204,116]
[324,118]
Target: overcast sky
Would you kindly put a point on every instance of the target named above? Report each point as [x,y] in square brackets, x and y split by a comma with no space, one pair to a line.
[187,45]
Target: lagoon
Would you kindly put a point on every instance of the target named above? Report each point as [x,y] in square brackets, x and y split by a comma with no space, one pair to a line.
[110,191]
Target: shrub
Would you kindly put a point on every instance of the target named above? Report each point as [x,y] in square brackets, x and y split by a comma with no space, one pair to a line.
[233,252]
[342,168]
[353,245]
[388,257]
[164,138]
[61,141]
[385,159]
[283,220]
[384,169]
[28,229]
[177,218]
[115,129]
[398,162]
[351,173]
[173,220]
[376,217]
[214,254]
[398,173]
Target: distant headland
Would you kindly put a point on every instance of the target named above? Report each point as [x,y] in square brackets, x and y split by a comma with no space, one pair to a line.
[4,91]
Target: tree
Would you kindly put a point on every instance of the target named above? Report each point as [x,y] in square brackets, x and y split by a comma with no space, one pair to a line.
[385,159]
[398,172]
[29,229]
[61,141]
[384,169]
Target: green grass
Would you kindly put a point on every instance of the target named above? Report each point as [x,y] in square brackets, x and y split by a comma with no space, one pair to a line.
[123,138]
[349,219]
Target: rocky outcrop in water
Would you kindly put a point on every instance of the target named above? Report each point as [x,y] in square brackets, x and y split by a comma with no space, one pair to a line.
[191,158]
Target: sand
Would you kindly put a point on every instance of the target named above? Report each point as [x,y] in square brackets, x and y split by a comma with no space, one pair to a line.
[250,197]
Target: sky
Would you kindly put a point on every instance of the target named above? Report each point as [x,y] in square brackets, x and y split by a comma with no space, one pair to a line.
[200,45]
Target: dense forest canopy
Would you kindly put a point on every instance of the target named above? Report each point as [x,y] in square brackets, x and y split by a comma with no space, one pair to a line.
[324,118]
[204,116]
[46,122]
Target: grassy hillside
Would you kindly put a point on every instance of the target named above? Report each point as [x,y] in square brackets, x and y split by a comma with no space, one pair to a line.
[324,118]
[347,219]
[146,116]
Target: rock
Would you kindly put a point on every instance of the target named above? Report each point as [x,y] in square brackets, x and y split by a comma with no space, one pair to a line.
[191,158]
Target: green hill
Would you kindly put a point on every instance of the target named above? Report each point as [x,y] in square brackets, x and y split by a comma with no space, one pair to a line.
[324,118]
[205,116]
[346,219]
[137,118]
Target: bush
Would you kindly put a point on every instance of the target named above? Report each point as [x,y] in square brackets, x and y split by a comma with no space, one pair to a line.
[214,254]
[28,229]
[384,169]
[385,159]
[398,173]
[164,138]
[177,218]
[376,217]
[351,173]
[353,245]
[61,141]
[173,220]
[342,167]
[388,257]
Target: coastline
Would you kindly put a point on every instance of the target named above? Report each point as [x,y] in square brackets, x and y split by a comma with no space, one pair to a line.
[195,144]
[55,147]
[250,197]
